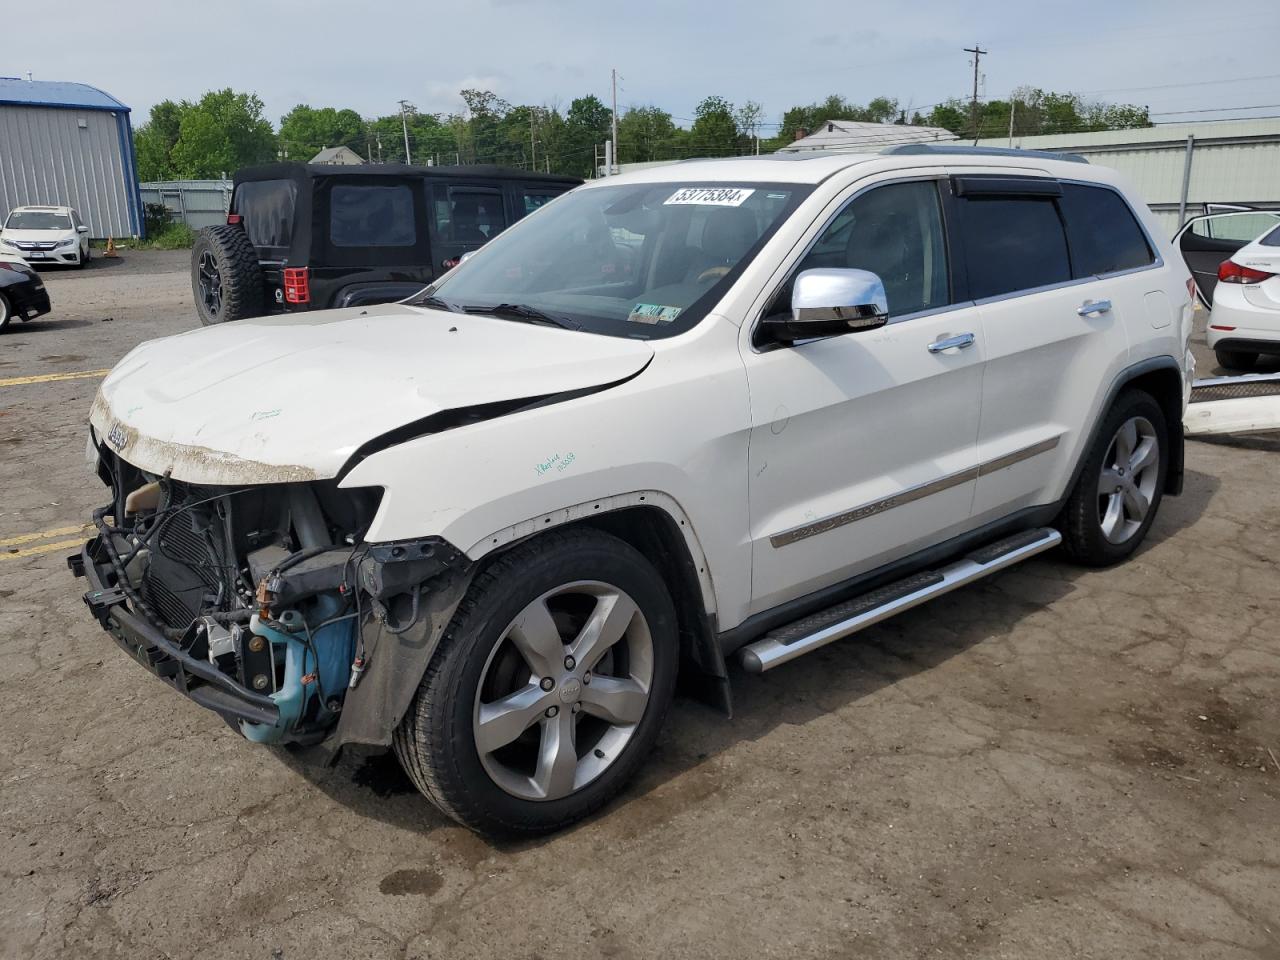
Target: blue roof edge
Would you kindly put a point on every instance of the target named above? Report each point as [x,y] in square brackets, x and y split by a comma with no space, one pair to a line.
[112,105]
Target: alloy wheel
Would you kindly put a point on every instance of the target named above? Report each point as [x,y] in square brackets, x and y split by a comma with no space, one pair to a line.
[563,690]
[1127,486]
[210,281]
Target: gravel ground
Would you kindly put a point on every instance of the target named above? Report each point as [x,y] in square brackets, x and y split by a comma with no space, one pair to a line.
[1052,763]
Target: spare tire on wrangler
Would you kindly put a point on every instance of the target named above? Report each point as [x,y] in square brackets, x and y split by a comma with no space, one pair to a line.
[226,279]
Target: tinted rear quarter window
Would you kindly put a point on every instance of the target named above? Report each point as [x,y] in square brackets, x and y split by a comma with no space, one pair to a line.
[266,207]
[371,216]
[1105,236]
[1272,239]
[1012,244]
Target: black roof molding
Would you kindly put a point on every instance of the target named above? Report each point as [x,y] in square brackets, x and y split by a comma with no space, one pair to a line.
[954,149]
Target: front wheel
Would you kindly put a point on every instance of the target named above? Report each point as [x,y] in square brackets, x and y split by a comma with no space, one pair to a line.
[1120,485]
[548,688]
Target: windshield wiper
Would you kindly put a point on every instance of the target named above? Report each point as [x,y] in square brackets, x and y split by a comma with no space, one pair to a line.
[523,312]
[433,301]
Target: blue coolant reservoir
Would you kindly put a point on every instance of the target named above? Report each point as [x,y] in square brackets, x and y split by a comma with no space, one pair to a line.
[334,646]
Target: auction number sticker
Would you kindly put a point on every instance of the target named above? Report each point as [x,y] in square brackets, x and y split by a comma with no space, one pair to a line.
[653,313]
[711,196]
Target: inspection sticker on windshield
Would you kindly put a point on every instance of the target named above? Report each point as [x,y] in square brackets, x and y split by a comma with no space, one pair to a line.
[711,196]
[653,313]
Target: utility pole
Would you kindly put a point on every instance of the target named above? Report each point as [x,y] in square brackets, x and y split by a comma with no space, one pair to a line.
[404,125]
[977,52]
[533,144]
[614,123]
[1012,106]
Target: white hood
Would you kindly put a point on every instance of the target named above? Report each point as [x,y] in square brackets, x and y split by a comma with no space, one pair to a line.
[292,397]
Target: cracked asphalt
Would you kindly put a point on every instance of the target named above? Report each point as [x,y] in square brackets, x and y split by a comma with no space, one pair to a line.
[1053,763]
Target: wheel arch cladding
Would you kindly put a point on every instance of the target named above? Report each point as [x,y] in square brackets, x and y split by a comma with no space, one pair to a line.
[1163,382]
[655,534]
[1161,378]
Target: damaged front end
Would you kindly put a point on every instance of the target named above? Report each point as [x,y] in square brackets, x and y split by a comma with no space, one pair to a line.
[264,603]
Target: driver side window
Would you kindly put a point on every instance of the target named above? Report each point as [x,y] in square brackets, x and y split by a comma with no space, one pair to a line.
[896,232]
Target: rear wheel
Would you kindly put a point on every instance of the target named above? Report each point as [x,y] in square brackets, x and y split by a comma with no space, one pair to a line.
[1120,485]
[6,312]
[1236,359]
[226,279]
[548,688]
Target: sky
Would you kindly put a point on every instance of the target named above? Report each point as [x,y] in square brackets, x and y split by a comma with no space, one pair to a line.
[369,55]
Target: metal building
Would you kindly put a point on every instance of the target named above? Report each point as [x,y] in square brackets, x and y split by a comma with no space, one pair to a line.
[1179,168]
[69,144]
[857,136]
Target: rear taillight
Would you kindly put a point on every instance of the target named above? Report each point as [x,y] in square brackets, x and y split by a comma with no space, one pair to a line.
[234,218]
[1231,272]
[297,285]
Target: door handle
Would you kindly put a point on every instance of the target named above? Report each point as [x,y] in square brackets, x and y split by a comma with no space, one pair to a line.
[1092,308]
[958,342]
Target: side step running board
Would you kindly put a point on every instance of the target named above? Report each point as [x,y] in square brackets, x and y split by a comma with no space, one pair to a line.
[798,638]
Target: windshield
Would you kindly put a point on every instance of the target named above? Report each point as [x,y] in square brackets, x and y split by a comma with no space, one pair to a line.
[37,220]
[641,260]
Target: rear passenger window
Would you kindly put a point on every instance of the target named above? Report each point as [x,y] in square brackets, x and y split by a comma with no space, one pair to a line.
[1105,236]
[369,216]
[471,216]
[1012,244]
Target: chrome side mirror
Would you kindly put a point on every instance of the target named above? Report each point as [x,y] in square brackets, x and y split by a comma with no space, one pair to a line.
[831,301]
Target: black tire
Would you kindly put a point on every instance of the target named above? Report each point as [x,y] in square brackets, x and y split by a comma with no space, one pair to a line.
[6,313]
[1236,359]
[226,278]
[436,741]
[1082,520]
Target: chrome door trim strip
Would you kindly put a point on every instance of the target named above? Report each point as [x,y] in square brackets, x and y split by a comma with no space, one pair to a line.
[910,495]
[1026,453]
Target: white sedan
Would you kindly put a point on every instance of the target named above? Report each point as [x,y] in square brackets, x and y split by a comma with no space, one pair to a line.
[1235,259]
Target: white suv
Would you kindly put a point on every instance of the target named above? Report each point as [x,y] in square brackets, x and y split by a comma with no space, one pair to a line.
[43,235]
[721,408]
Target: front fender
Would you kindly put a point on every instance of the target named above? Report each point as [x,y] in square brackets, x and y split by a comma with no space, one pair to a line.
[674,437]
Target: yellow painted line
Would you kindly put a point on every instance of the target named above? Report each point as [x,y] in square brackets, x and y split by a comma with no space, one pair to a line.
[47,377]
[43,548]
[45,535]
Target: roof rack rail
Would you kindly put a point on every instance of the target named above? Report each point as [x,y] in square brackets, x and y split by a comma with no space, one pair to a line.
[951,148]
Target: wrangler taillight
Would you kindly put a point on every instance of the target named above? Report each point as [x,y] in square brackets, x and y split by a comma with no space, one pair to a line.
[1231,272]
[234,218]
[297,285]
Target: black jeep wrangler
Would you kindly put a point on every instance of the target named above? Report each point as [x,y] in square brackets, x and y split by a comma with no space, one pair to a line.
[311,236]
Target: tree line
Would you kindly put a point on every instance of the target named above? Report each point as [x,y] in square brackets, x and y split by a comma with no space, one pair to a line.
[225,130]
